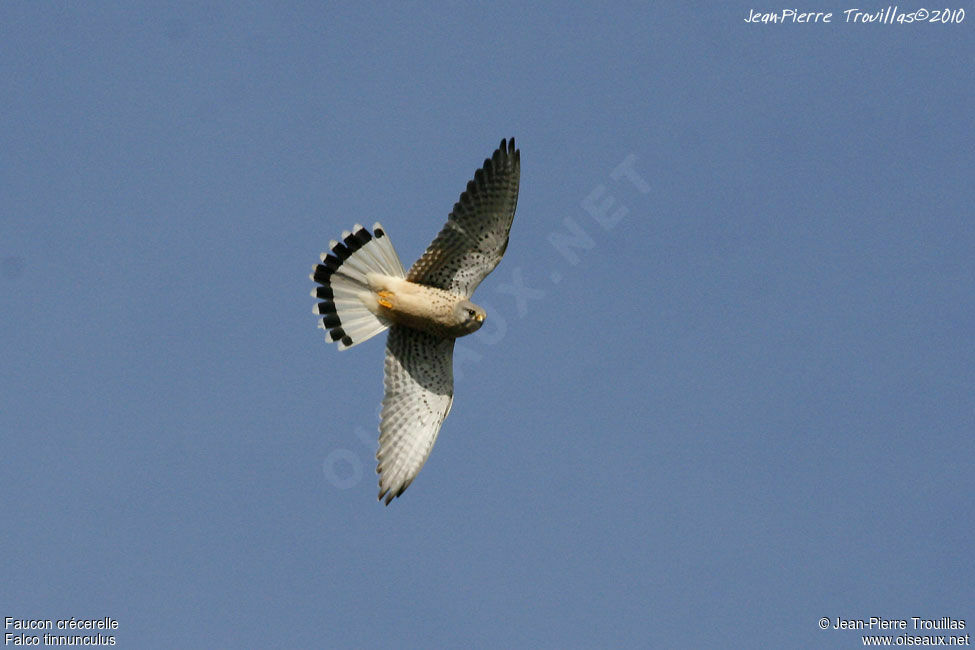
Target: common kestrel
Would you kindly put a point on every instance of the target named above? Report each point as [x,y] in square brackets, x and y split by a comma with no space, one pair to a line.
[364,291]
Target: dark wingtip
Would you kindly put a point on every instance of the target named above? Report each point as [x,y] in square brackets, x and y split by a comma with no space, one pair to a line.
[508,148]
[389,493]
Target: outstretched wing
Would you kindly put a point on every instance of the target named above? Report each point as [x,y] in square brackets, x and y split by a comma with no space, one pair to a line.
[476,234]
[419,382]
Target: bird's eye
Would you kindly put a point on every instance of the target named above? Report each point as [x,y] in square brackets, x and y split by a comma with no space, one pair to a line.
[471,313]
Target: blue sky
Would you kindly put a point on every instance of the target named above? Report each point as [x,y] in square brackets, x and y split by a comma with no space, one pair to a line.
[739,399]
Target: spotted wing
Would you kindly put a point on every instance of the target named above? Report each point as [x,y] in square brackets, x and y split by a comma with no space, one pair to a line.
[476,233]
[419,384]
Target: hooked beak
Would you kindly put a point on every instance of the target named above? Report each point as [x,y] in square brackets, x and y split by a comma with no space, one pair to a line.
[479,318]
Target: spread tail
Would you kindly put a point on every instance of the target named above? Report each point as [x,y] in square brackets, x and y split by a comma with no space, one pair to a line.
[344,289]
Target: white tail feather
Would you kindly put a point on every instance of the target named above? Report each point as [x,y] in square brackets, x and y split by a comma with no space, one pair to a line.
[347,299]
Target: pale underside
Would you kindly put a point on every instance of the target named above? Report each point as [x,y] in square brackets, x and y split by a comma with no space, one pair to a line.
[414,305]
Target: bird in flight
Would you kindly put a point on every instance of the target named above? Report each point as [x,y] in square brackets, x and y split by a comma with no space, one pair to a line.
[364,291]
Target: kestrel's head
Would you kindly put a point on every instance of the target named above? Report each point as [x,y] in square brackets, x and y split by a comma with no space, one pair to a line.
[468,317]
